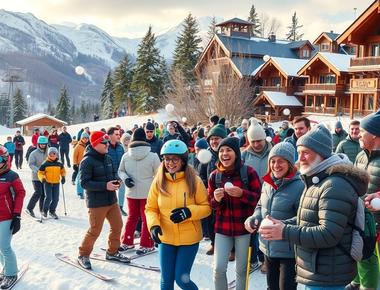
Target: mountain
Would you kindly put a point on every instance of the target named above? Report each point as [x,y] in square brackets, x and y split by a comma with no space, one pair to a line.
[43,57]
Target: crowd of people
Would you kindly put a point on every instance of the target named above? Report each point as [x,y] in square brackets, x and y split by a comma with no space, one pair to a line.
[285,202]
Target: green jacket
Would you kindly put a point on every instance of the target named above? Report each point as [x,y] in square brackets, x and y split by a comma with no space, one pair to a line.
[370,162]
[327,207]
[349,147]
[337,138]
[258,161]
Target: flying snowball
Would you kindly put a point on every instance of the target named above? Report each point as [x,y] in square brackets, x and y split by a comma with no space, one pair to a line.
[204,156]
[375,203]
[169,108]
[184,119]
[268,139]
[286,112]
[228,185]
[79,70]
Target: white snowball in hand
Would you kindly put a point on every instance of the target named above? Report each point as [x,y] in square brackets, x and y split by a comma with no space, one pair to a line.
[204,156]
[375,203]
[228,185]
[266,222]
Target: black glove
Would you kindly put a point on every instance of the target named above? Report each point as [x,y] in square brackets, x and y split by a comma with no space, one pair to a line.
[129,182]
[15,224]
[63,180]
[154,232]
[180,214]
[43,180]
[75,167]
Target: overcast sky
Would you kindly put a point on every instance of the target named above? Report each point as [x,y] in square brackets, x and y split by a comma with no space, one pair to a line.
[132,18]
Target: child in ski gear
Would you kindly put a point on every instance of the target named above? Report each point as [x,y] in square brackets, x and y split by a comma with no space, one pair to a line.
[11,148]
[177,201]
[233,204]
[100,182]
[137,169]
[51,172]
[12,195]
[279,198]
[19,142]
[36,158]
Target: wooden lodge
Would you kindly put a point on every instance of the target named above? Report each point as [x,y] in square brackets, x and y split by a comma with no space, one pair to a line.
[38,121]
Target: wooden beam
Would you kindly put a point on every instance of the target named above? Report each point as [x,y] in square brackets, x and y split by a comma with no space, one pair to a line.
[351,106]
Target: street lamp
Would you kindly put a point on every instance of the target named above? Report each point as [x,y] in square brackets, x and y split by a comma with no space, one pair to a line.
[29,100]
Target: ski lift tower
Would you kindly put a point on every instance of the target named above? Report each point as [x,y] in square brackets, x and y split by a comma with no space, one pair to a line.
[12,76]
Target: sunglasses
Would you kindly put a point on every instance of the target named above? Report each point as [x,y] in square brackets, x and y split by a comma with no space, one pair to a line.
[149,131]
[173,160]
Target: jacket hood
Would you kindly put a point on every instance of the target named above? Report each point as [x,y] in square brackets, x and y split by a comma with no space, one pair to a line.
[139,152]
[358,178]
[267,148]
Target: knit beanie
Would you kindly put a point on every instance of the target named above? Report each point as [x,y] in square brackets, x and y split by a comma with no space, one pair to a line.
[84,135]
[338,125]
[284,150]
[201,144]
[150,126]
[214,119]
[218,130]
[256,132]
[222,121]
[53,150]
[319,140]
[96,137]
[138,138]
[371,123]
[234,144]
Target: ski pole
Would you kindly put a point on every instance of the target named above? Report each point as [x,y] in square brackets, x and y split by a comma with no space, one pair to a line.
[377,253]
[249,262]
[64,201]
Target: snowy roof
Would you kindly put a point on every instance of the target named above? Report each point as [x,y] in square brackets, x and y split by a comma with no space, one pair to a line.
[290,66]
[246,64]
[235,20]
[38,117]
[340,61]
[332,35]
[281,99]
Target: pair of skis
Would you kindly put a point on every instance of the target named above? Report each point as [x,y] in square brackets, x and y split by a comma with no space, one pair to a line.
[20,273]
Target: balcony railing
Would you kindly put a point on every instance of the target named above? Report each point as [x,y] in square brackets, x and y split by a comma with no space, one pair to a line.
[326,87]
[319,110]
[365,61]
[272,89]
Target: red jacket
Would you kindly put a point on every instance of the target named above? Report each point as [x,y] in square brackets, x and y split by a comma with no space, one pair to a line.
[35,139]
[9,205]
[231,212]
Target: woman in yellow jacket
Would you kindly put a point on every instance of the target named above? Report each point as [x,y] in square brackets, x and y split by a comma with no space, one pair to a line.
[176,203]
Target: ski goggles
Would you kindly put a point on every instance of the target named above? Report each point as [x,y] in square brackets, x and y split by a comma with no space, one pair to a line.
[3,159]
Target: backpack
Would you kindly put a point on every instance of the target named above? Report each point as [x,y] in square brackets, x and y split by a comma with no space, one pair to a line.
[30,150]
[243,176]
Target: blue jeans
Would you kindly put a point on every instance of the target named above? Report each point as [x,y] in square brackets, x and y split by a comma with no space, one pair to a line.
[121,195]
[7,256]
[324,287]
[175,264]
[51,197]
[78,185]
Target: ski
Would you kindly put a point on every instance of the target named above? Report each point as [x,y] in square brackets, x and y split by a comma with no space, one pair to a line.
[101,257]
[72,262]
[135,256]
[20,273]
[37,219]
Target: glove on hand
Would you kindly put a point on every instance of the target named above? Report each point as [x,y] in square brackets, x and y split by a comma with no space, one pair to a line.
[15,224]
[180,214]
[129,182]
[75,167]
[63,180]
[154,232]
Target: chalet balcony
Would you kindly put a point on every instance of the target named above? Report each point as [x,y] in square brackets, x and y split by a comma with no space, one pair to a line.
[365,61]
[272,89]
[325,87]
[320,110]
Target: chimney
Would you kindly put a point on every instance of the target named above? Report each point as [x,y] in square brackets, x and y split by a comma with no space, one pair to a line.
[272,37]
[331,31]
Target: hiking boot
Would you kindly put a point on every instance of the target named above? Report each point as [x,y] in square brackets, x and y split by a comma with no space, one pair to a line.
[30,212]
[44,214]
[117,257]
[125,247]
[8,282]
[53,215]
[231,257]
[210,251]
[352,286]
[143,250]
[84,262]
[123,213]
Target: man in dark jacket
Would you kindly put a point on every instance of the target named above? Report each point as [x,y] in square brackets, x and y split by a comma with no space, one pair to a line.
[64,140]
[155,143]
[369,160]
[325,216]
[19,142]
[339,135]
[176,132]
[100,182]
[350,146]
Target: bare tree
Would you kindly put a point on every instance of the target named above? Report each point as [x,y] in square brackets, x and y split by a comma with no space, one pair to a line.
[269,25]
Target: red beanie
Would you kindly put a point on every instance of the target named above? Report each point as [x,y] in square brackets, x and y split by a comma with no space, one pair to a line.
[98,136]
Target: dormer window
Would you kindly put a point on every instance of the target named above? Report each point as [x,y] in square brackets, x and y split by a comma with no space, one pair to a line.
[325,46]
[305,53]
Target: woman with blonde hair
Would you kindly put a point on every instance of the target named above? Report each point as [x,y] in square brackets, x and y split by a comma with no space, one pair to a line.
[177,202]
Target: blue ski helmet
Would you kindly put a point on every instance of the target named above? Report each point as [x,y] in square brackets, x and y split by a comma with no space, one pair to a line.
[175,147]
[42,140]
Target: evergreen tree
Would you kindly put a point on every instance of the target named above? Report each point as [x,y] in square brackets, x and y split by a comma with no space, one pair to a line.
[293,34]
[187,48]
[165,80]
[254,18]
[50,109]
[20,106]
[73,112]
[122,79]
[63,107]
[83,112]
[147,80]
[107,98]
[211,29]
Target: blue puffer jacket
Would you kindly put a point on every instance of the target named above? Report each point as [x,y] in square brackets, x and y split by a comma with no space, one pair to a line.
[116,152]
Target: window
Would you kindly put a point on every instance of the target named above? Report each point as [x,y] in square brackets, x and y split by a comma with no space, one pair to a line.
[318,101]
[309,101]
[305,53]
[325,46]
[368,102]
[327,79]
[331,101]
[375,49]
[275,82]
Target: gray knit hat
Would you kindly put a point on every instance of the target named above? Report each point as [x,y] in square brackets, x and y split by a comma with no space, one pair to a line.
[318,139]
[284,150]
[371,123]
[52,150]
[338,125]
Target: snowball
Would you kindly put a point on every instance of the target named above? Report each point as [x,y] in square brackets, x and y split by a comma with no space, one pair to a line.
[79,70]
[169,108]
[268,139]
[375,203]
[204,156]
[184,119]
[228,185]
[286,112]
[266,222]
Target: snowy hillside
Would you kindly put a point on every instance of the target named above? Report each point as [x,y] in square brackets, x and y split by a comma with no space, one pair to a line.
[37,243]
